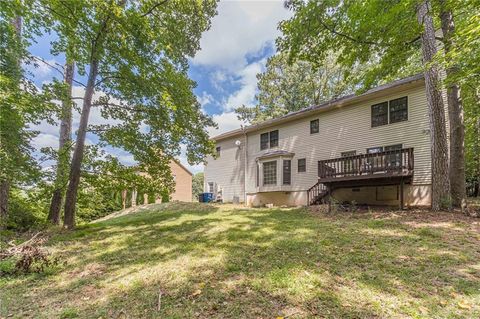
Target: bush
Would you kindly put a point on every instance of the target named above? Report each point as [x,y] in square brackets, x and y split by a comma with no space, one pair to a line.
[25,211]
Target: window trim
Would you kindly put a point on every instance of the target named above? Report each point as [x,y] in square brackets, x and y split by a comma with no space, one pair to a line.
[264,144]
[315,129]
[258,175]
[274,165]
[304,165]
[218,149]
[375,147]
[272,141]
[382,104]
[210,186]
[266,140]
[390,111]
[288,173]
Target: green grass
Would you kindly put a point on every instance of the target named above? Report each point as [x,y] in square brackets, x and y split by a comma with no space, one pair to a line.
[230,262]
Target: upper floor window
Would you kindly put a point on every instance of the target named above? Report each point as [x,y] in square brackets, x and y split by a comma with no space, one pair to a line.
[270,173]
[398,109]
[269,139]
[218,151]
[314,126]
[287,172]
[380,114]
[390,112]
[302,165]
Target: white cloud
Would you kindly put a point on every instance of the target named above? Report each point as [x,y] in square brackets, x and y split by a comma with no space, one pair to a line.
[43,71]
[248,80]
[45,140]
[226,122]
[239,29]
[205,99]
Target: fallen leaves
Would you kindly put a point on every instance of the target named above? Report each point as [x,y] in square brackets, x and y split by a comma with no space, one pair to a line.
[464,305]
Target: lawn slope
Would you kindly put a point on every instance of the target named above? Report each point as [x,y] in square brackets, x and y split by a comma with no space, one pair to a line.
[204,261]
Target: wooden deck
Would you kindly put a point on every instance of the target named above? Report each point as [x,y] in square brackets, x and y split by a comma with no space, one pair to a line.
[393,167]
[381,165]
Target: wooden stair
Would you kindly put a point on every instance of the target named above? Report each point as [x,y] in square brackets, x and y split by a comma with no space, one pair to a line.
[316,194]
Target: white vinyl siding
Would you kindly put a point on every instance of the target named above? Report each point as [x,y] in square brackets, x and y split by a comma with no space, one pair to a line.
[227,171]
[345,129]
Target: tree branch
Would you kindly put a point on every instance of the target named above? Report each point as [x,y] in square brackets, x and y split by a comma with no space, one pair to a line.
[55,68]
[149,11]
[346,36]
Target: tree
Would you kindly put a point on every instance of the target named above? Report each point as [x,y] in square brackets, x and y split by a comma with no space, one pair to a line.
[136,53]
[385,36]
[197,185]
[455,112]
[64,147]
[438,134]
[285,87]
[21,102]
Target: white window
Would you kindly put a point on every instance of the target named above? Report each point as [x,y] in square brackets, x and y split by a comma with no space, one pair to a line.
[210,187]
[270,173]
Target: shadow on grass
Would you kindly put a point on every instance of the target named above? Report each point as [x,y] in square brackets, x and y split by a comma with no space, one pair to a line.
[208,261]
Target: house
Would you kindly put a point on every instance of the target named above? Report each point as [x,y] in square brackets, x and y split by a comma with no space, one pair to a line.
[182,192]
[372,148]
[183,182]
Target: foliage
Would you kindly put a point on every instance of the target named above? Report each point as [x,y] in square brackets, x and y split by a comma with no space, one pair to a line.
[21,102]
[285,87]
[221,261]
[381,36]
[197,185]
[27,209]
[135,52]
[143,72]
[27,257]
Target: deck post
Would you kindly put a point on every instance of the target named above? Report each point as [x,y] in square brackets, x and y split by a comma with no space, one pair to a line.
[401,195]
[329,199]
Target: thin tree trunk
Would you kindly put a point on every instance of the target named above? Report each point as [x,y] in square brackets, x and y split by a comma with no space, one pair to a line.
[74,178]
[4,192]
[438,134]
[478,159]
[455,115]
[64,146]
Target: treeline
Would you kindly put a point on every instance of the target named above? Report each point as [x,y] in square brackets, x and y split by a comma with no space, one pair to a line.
[129,61]
[331,48]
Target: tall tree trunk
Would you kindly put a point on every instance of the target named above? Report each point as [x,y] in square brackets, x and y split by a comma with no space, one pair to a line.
[438,132]
[4,182]
[455,115]
[63,147]
[74,178]
[478,159]
[4,192]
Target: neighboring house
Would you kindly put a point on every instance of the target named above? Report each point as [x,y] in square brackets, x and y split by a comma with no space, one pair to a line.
[372,148]
[183,182]
[183,186]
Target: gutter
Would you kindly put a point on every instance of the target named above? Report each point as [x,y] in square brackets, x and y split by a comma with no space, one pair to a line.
[344,101]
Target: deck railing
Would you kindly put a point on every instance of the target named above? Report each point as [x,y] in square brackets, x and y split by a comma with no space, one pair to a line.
[392,162]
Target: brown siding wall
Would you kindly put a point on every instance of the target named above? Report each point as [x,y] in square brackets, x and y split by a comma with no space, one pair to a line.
[183,183]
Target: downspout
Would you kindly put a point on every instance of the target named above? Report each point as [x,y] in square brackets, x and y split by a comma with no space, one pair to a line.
[245,167]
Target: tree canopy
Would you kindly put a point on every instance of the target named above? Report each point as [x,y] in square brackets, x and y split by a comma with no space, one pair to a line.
[286,87]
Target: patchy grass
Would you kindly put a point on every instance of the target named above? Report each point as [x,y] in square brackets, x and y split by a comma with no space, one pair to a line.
[208,261]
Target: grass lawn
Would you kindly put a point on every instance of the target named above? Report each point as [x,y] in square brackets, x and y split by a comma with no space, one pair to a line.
[205,261]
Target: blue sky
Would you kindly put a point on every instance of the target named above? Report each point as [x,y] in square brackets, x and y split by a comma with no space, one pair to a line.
[233,52]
